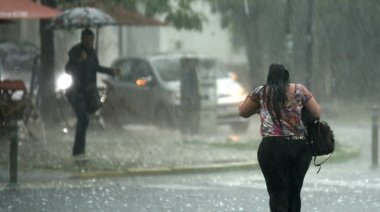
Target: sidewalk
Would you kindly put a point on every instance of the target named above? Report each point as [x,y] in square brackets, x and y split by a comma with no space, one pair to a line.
[134,150]
[147,150]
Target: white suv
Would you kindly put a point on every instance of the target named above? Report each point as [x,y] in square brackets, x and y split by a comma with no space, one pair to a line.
[148,92]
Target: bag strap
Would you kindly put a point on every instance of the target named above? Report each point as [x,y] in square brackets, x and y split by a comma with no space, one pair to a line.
[320,164]
[315,157]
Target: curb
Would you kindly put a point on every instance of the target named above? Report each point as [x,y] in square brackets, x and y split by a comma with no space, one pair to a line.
[169,170]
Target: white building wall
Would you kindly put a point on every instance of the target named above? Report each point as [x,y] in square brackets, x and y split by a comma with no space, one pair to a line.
[212,41]
[140,40]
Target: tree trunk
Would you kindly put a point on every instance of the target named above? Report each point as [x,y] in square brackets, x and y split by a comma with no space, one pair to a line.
[289,34]
[47,86]
[309,47]
[253,47]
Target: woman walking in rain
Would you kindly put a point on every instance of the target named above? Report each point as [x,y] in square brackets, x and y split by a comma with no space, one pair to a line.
[284,154]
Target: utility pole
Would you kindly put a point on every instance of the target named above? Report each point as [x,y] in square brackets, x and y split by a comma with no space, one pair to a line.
[309,46]
[289,34]
[47,76]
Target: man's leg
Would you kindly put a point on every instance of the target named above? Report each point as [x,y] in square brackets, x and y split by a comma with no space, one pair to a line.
[80,133]
[80,110]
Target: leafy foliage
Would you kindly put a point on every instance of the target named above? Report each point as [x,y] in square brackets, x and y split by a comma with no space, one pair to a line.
[185,20]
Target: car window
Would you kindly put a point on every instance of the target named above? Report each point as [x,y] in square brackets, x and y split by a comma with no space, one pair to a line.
[141,69]
[209,69]
[125,69]
[168,69]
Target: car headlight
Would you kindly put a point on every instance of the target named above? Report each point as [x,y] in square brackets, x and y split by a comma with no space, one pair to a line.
[239,93]
[64,81]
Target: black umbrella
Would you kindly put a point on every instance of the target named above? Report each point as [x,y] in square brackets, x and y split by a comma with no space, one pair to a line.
[81,17]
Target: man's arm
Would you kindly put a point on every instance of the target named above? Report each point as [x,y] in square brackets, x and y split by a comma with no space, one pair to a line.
[106,70]
[109,71]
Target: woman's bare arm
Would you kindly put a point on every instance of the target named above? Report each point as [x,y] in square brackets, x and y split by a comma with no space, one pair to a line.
[248,107]
[313,107]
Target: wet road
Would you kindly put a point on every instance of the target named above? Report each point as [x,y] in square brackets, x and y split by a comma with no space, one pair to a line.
[335,188]
[347,186]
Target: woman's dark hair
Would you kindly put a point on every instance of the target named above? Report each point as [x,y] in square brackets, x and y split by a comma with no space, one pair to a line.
[275,90]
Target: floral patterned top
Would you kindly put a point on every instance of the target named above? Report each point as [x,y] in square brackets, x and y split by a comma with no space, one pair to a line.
[291,115]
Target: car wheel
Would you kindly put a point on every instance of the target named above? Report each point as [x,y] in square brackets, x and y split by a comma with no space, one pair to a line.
[239,127]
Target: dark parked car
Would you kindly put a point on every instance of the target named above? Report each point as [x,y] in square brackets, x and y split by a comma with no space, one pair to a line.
[148,91]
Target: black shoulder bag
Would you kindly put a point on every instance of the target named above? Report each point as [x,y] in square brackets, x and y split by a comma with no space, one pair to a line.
[320,136]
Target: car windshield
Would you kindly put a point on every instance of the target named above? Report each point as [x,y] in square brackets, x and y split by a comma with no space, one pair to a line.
[209,68]
[169,69]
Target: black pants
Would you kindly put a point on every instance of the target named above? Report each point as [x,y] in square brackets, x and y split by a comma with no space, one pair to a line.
[284,163]
[77,102]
